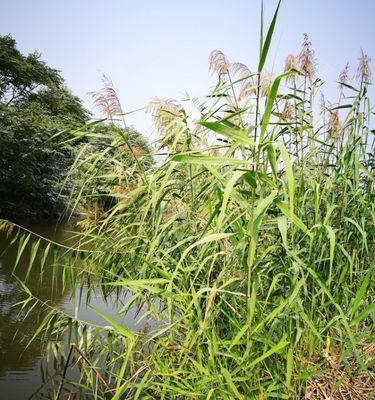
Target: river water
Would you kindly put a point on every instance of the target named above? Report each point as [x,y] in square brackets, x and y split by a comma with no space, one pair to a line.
[20,365]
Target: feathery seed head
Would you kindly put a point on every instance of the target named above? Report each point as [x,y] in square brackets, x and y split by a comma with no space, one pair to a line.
[290,62]
[363,71]
[106,99]
[218,62]
[248,88]
[164,112]
[343,77]
[266,79]
[334,123]
[247,85]
[287,113]
[306,59]
[240,69]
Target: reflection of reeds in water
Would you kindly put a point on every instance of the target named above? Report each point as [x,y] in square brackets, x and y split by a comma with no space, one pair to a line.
[20,354]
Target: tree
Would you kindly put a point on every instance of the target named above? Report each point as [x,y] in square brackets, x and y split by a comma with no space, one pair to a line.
[34,106]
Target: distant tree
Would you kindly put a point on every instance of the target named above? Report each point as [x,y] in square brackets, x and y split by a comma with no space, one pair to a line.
[34,106]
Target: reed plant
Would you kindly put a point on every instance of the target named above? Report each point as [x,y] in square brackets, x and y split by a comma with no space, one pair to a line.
[248,246]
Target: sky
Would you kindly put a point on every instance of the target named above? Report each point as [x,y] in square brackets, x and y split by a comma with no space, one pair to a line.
[160,48]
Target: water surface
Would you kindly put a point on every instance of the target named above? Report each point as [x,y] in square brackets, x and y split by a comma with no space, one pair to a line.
[20,362]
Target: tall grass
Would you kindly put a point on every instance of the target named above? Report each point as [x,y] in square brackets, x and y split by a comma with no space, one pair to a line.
[249,243]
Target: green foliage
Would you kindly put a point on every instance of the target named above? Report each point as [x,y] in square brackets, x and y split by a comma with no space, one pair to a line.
[251,254]
[112,157]
[34,105]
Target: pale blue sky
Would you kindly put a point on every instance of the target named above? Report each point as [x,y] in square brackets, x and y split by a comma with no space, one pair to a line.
[160,48]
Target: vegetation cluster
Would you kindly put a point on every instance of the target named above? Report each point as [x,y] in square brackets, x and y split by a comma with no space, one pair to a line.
[248,247]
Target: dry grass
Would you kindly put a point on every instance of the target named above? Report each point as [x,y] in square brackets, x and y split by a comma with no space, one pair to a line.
[337,382]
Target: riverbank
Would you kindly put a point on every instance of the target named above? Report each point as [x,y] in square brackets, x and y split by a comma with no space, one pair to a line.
[20,211]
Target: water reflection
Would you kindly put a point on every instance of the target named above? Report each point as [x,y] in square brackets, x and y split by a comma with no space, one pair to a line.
[20,360]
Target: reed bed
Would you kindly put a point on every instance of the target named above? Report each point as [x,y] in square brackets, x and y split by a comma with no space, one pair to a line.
[248,245]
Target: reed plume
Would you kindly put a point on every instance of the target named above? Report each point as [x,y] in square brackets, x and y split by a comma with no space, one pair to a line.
[363,70]
[247,84]
[290,63]
[106,99]
[343,77]
[266,80]
[306,59]
[218,62]
[334,124]
[288,111]
[164,112]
